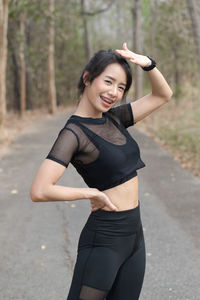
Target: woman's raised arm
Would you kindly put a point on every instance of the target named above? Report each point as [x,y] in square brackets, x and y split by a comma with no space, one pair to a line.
[161,92]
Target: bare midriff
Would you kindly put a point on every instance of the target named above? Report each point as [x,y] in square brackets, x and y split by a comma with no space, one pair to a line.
[124,196]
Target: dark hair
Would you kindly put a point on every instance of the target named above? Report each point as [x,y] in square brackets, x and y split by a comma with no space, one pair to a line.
[97,65]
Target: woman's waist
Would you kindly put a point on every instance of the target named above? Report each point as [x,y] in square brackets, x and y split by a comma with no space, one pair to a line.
[125,195]
[115,222]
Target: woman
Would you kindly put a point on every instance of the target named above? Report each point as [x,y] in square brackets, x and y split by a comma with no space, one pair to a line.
[111,250]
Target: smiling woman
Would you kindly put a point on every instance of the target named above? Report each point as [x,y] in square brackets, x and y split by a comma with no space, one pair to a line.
[114,82]
[98,64]
[105,90]
[111,257]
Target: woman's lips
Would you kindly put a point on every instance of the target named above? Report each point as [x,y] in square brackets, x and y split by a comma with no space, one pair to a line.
[105,101]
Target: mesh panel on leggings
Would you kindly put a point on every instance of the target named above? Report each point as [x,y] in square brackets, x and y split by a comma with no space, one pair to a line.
[89,293]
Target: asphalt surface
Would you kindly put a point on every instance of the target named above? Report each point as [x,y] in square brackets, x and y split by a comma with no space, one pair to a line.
[39,240]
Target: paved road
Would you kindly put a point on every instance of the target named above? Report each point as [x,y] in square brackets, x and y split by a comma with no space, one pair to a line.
[39,240]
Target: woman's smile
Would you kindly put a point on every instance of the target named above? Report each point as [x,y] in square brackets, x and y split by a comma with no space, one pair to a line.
[106,101]
[108,87]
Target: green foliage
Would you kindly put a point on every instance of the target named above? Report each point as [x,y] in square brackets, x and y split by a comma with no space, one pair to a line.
[34,8]
[174,45]
[172,42]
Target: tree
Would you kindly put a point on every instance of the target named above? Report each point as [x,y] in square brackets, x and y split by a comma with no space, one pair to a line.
[3,57]
[137,45]
[192,8]
[84,15]
[22,64]
[87,43]
[51,66]
[152,5]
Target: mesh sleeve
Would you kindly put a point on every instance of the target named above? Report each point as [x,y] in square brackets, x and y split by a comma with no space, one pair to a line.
[124,114]
[65,146]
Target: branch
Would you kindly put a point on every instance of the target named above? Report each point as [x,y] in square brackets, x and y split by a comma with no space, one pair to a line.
[99,11]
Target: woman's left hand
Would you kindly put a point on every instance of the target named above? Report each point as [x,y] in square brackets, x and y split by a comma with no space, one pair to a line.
[140,60]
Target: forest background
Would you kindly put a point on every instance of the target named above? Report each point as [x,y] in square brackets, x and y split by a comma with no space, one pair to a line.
[44,46]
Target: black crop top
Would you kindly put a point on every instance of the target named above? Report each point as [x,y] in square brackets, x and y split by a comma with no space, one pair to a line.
[101,149]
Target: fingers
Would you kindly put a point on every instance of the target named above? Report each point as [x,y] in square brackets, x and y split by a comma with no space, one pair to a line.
[125,52]
[101,205]
[102,201]
[124,46]
[112,206]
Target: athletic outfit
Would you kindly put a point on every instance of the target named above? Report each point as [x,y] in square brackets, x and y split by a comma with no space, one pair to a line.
[111,250]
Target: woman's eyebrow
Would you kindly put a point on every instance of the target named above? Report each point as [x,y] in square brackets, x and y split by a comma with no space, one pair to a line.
[110,77]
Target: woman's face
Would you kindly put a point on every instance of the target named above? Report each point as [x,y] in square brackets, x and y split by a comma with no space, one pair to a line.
[108,88]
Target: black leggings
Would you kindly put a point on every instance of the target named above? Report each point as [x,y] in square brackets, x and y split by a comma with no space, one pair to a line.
[111,257]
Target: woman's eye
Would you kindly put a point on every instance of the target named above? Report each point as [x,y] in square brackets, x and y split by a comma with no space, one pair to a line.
[121,88]
[108,81]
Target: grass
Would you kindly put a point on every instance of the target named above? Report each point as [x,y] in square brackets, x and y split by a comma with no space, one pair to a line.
[176,127]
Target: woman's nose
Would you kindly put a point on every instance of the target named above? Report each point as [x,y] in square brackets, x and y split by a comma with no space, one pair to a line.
[113,91]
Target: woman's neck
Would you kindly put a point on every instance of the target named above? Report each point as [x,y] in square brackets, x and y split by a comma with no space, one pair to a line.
[85,109]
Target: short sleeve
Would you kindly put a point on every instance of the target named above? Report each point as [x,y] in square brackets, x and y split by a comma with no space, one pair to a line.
[124,114]
[64,147]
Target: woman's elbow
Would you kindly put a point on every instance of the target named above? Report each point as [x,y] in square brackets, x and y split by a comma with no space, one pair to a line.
[169,95]
[35,195]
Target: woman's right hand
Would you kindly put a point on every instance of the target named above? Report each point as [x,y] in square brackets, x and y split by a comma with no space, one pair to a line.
[100,200]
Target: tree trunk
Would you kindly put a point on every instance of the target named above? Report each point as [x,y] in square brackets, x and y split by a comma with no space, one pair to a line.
[3,57]
[137,45]
[15,68]
[176,73]
[22,65]
[153,4]
[29,98]
[86,33]
[51,66]
[192,8]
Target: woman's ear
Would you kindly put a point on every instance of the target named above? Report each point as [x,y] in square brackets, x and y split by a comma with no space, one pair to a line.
[86,78]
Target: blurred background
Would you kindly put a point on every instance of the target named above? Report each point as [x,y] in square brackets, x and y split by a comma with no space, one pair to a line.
[44,46]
